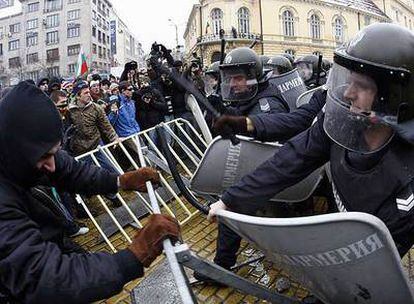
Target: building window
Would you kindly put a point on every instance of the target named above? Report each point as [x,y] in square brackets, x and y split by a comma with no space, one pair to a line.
[6,3]
[339,29]
[73,1]
[53,71]
[33,7]
[315,26]
[32,58]
[31,39]
[52,21]
[74,31]
[99,51]
[52,37]
[1,49]
[217,20]
[99,36]
[93,15]
[73,49]
[243,17]
[14,63]
[72,68]
[94,31]
[397,16]
[103,38]
[52,5]
[290,52]
[73,15]
[367,20]
[34,75]
[52,55]
[93,48]
[288,23]
[31,24]
[14,28]
[14,45]
[109,53]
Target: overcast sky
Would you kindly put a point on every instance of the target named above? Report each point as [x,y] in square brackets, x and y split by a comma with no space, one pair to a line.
[148,19]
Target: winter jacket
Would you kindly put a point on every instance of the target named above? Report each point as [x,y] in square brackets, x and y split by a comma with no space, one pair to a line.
[124,120]
[91,125]
[150,114]
[34,265]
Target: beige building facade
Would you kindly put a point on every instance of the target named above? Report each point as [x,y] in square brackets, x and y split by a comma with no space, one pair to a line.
[298,27]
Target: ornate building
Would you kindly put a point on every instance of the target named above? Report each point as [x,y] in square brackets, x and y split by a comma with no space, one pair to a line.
[298,27]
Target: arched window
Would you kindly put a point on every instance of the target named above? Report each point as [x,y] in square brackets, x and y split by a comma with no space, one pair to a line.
[216,56]
[315,27]
[339,29]
[217,20]
[288,23]
[243,17]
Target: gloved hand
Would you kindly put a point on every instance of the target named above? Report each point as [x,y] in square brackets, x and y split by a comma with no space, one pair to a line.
[226,126]
[147,242]
[135,180]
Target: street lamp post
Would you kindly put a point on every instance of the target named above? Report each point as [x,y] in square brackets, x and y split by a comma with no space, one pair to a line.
[176,31]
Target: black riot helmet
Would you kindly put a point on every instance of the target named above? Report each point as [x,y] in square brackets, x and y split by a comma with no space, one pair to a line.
[264,59]
[280,65]
[308,68]
[241,73]
[290,57]
[326,65]
[211,78]
[371,92]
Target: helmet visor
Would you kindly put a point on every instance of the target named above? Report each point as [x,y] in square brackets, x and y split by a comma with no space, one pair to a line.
[305,70]
[357,115]
[210,83]
[238,83]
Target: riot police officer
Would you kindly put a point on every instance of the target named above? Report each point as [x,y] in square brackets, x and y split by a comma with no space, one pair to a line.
[243,83]
[279,65]
[366,133]
[309,70]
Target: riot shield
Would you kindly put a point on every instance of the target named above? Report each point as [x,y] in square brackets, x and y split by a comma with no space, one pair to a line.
[199,117]
[305,97]
[224,164]
[290,85]
[342,258]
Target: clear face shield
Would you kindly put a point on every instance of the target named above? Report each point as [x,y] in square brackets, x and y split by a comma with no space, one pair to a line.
[305,70]
[359,114]
[210,84]
[238,83]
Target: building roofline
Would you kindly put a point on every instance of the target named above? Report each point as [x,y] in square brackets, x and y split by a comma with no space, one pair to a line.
[193,11]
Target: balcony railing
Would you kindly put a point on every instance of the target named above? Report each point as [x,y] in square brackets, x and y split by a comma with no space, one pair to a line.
[294,40]
[229,37]
[52,58]
[52,8]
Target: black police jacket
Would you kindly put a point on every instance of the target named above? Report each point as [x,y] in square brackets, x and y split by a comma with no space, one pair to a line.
[283,126]
[266,101]
[386,190]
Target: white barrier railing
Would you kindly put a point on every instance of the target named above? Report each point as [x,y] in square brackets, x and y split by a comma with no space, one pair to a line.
[186,145]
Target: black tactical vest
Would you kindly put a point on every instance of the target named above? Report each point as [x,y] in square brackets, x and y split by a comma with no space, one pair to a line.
[385,191]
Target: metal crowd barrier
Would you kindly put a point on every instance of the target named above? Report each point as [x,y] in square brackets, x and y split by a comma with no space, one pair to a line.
[186,145]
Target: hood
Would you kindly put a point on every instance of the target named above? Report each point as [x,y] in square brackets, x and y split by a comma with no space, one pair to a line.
[30,126]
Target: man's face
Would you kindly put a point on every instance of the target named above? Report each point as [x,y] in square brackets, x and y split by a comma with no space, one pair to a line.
[128,92]
[360,93]
[62,104]
[95,89]
[115,91]
[84,96]
[46,163]
[238,83]
[105,88]
[43,86]
[69,88]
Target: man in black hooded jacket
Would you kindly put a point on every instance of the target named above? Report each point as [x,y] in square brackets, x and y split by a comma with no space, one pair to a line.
[35,266]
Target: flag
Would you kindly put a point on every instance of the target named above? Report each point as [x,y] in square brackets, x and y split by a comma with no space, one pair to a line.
[82,66]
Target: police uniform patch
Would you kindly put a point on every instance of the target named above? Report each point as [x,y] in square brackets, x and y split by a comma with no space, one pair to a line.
[264,105]
[405,200]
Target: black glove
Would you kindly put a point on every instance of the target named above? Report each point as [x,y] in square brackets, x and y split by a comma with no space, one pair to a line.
[227,126]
